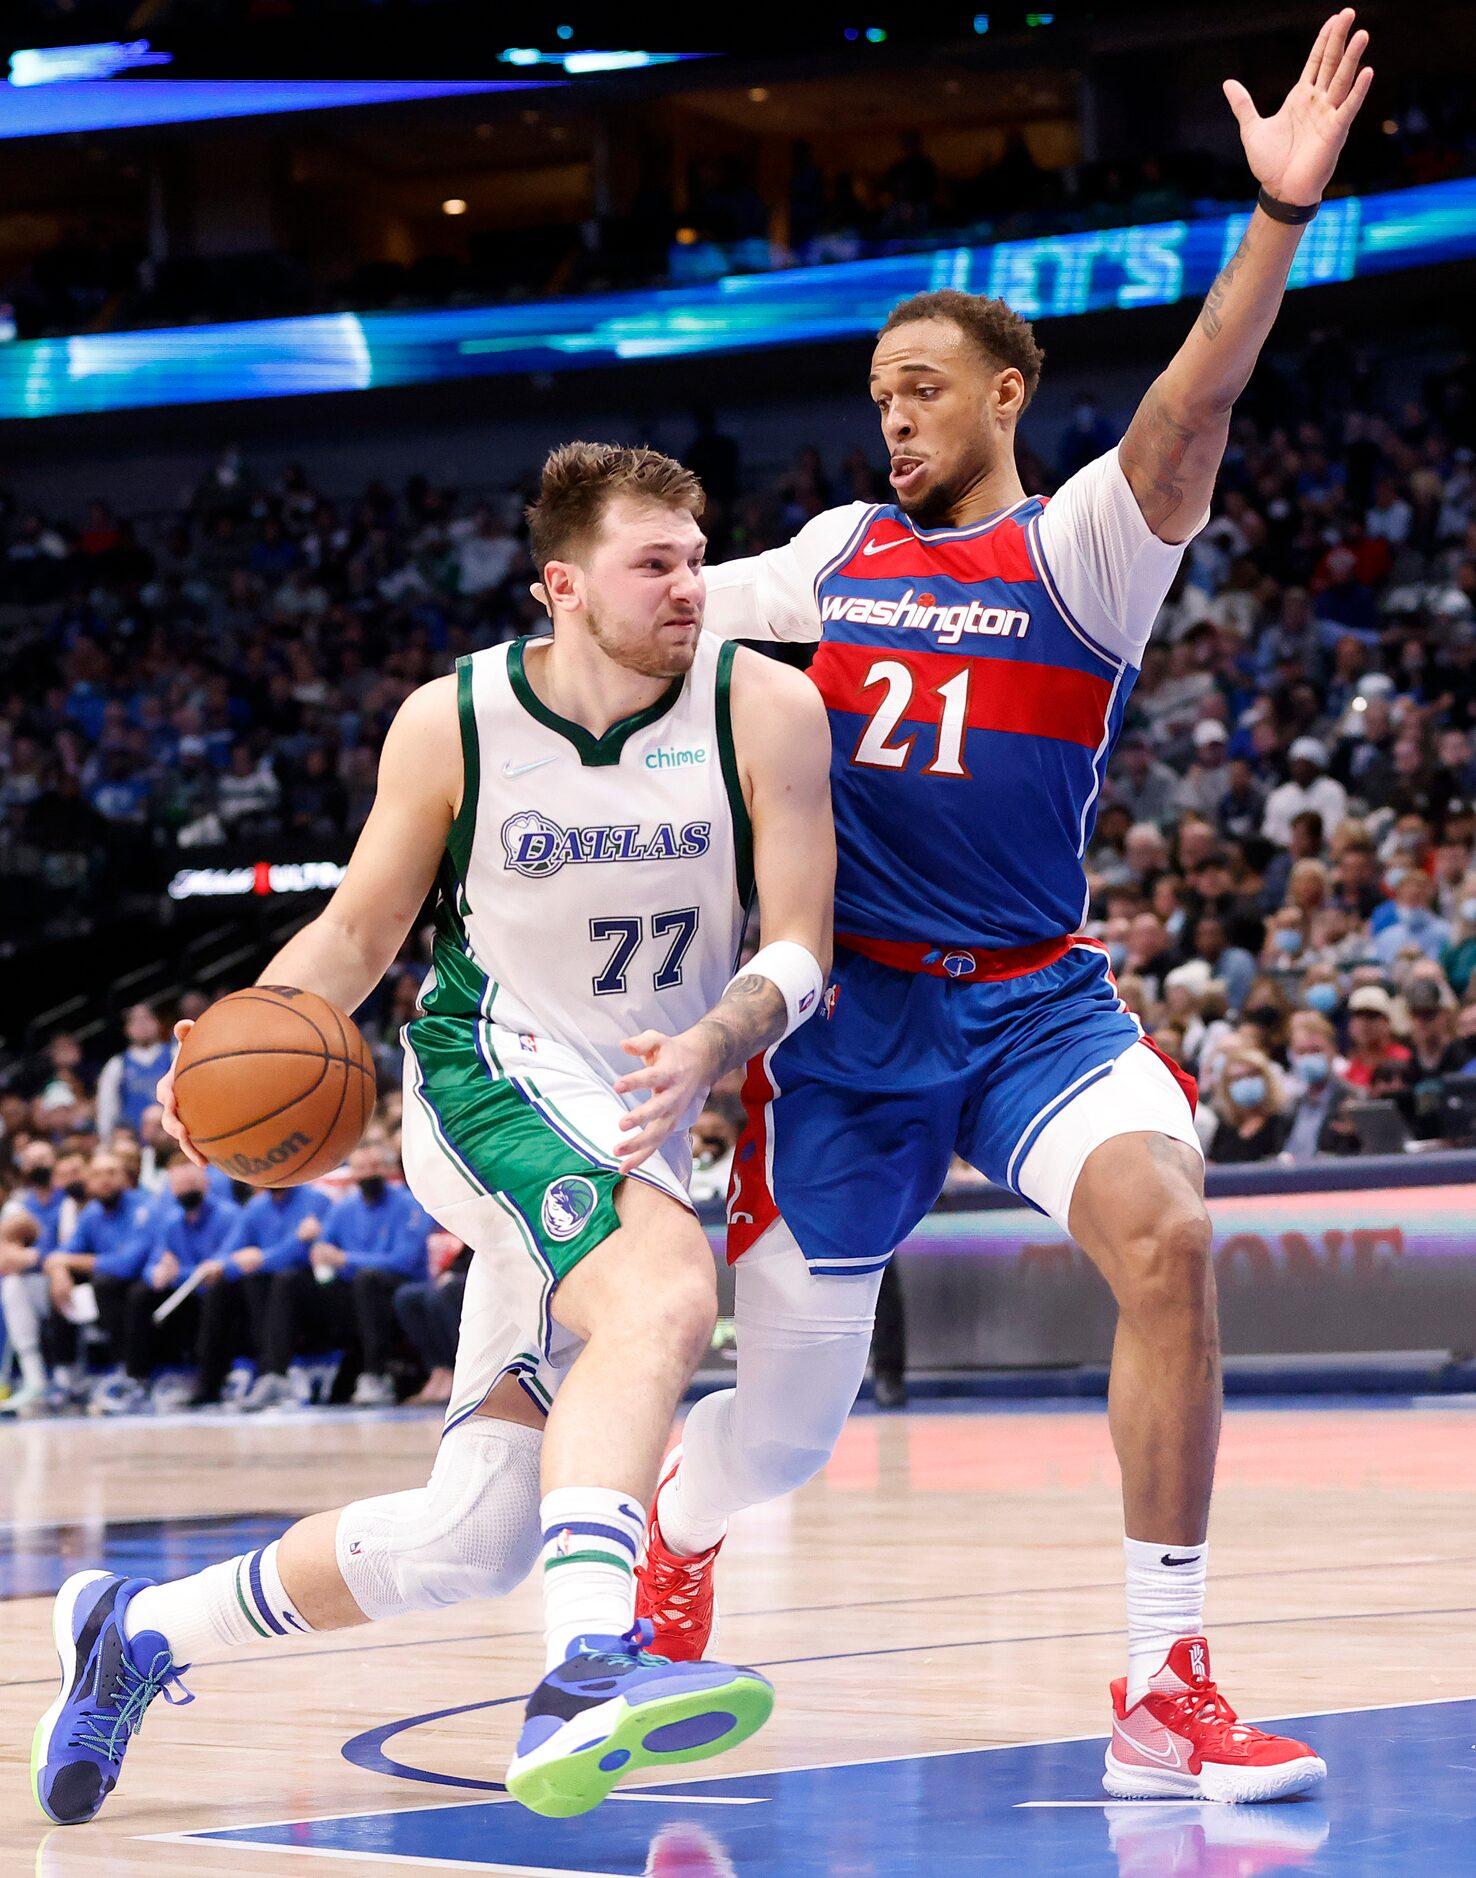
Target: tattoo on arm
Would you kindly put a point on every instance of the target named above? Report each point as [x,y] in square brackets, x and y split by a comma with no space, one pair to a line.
[1153,455]
[750,1015]
[1211,320]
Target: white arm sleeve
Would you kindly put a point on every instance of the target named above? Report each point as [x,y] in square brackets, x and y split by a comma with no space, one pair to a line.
[1107,564]
[772,595]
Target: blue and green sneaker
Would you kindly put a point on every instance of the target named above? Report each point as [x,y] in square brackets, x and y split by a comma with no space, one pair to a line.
[107,1681]
[609,1708]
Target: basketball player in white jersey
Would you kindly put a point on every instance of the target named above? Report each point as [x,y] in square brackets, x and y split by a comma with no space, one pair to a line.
[596,810]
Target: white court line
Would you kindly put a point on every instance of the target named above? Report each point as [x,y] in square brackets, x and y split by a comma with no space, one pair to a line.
[377,1858]
[197,1836]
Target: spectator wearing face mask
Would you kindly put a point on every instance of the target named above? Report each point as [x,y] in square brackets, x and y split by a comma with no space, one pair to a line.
[1250,1103]
[1315,1123]
[193,1229]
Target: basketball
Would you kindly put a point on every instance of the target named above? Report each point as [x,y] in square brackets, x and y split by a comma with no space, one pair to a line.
[274,1085]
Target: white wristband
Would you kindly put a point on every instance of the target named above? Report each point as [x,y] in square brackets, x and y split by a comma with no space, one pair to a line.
[796,973]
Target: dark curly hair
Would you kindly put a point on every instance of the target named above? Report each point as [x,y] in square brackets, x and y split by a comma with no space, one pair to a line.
[999,333]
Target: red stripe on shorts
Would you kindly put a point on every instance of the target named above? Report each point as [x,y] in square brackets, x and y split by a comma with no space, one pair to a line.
[752,1208]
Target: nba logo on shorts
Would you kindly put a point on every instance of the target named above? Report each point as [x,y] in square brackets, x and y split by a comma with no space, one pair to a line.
[567,1204]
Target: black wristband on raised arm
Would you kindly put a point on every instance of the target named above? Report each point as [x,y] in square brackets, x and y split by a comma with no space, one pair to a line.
[1289,212]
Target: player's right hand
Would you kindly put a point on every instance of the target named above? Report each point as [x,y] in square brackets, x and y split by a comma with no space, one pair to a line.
[164,1096]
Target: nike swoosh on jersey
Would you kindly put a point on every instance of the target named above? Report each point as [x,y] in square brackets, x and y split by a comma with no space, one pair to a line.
[521,769]
[880,547]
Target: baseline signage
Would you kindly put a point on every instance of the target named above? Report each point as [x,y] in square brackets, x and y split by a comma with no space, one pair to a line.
[261,877]
[1053,277]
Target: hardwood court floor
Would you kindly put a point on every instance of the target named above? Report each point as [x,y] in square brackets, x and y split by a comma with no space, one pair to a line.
[953,1581]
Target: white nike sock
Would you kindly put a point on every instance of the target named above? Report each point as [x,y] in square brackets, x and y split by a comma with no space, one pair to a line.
[590,1539]
[688,1526]
[1165,1601]
[223,1608]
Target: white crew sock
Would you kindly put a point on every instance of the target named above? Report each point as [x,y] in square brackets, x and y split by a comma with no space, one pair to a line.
[1164,1602]
[590,1539]
[223,1608]
[688,1523]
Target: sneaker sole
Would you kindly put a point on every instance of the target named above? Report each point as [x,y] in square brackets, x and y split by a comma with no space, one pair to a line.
[559,1785]
[1231,1786]
[66,1656]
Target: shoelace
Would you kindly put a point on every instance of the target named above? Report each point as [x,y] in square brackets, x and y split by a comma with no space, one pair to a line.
[130,1695]
[1208,1708]
[642,1632]
[668,1587]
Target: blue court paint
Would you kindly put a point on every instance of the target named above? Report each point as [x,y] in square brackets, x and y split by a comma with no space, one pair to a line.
[1400,1799]
[39,1559]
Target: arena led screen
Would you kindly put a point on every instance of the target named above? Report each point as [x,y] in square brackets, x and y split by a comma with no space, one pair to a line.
[1054,277]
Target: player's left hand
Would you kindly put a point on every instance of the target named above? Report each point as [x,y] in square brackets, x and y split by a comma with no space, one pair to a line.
[676,1071]
[1293,154]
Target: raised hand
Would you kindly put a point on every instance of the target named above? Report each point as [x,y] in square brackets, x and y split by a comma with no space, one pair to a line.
[1293,154]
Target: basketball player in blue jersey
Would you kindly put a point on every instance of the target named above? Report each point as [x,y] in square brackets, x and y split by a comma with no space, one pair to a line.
[979,645]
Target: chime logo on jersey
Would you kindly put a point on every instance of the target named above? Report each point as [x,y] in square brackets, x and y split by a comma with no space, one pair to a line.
[567,1204]
[537,848]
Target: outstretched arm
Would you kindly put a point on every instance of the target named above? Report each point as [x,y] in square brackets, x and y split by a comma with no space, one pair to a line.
[1171,453]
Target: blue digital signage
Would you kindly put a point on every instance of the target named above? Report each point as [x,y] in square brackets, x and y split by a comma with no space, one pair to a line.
[30,108]
[1054,277]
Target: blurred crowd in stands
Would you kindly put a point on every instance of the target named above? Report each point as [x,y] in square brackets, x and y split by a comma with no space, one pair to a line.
[1283,869]
[101,277]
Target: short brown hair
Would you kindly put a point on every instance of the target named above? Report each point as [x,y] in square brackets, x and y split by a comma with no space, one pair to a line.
[999,333]
[580,479]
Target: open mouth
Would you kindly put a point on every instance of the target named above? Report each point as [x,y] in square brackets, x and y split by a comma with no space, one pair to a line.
[906,472]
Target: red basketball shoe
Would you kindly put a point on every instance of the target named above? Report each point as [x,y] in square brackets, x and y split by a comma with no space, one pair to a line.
[1183,1740]
[676,1595]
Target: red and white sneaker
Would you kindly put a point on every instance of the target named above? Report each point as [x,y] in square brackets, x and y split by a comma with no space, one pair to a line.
[1183,1741]
[676,1595]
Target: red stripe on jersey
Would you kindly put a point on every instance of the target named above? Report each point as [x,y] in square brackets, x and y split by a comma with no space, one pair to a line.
[1005,694]
[892,552]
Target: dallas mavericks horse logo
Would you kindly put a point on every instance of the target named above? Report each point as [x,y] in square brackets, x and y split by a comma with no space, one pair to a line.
[567,1204]
[532,844]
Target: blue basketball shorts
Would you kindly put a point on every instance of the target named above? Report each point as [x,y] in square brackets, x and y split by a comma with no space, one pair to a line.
[853,1121]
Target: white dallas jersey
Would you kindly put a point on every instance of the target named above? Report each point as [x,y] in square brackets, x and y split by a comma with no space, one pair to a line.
[591,887]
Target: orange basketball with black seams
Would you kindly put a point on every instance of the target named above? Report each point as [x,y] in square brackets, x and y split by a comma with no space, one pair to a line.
[274,1085]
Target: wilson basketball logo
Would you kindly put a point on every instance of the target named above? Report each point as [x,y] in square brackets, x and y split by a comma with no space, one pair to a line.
[245,1165]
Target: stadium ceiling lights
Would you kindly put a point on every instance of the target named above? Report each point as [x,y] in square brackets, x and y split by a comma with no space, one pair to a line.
[580,64]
